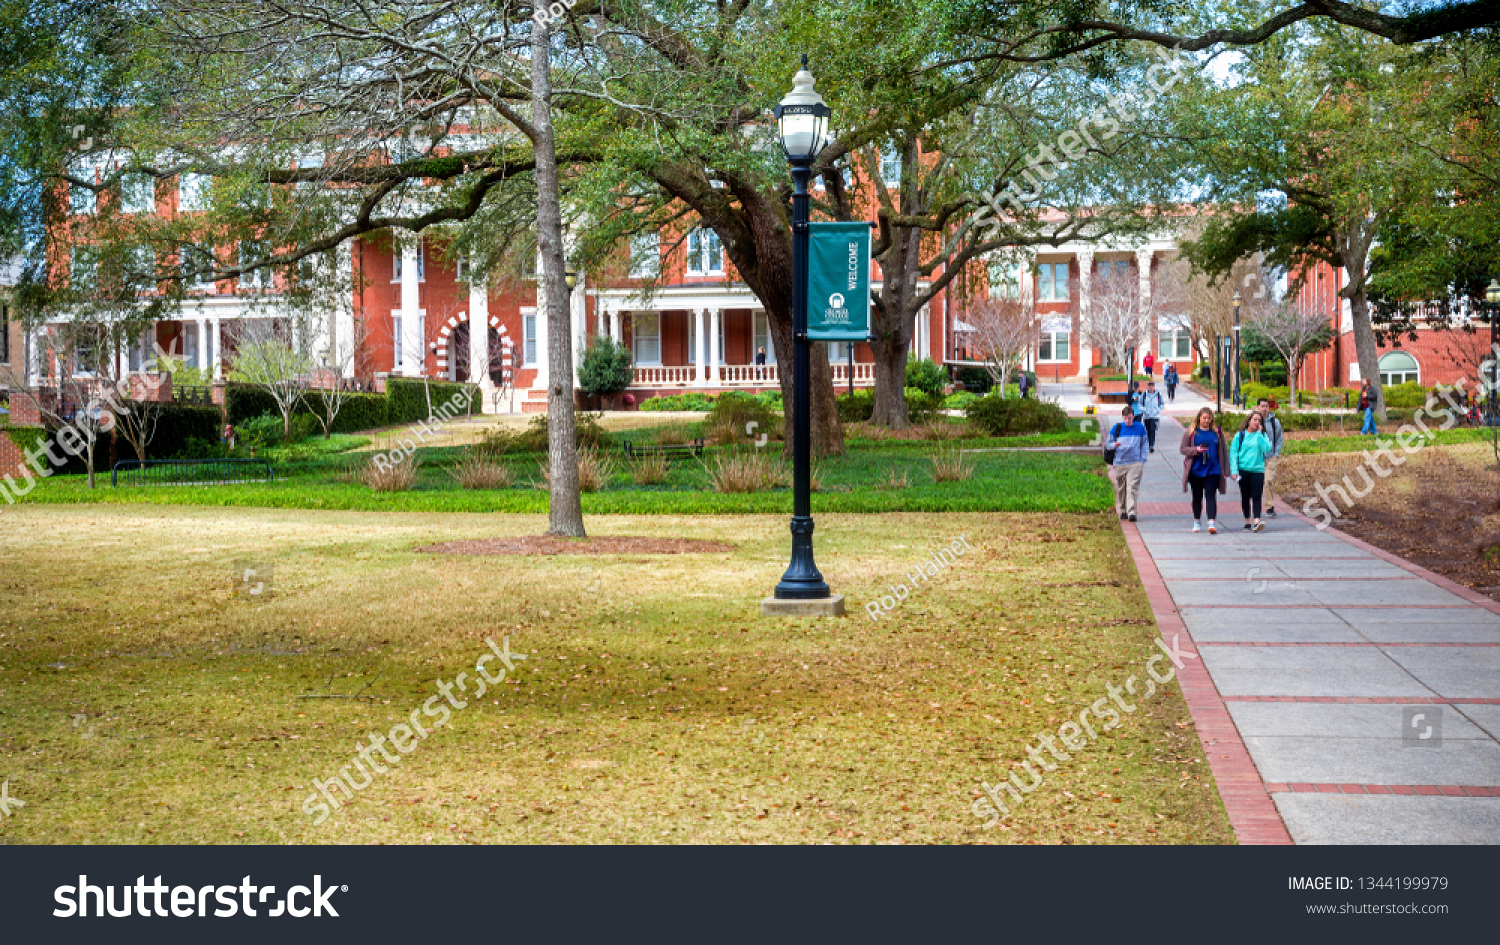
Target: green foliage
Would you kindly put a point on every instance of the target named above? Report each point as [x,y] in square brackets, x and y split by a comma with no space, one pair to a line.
[926,375]
[30,438]
[701,402]
[606,368]
[1254,392]
[1007,416]
[975,379]
[259,432]
[407,398]
[1409,396]
[587,432]
[176,427]
[856,407]
[921,405]
[733,410]
[243,402]
[958,401]
[358,412]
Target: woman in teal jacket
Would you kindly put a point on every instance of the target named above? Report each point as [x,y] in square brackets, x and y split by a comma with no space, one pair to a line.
[1247,466]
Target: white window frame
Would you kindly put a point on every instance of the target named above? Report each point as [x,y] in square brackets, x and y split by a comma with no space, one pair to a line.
[528,340]
[1052,341]
[1180,339]
[651,322]
[890,165]
[398,341]
[1387,378]
[705,255]
[1047,282]
[197,282]
[461,270]
[193,192]
[256,278]
[81,200]
[693,335]
[645,256]
[138,194]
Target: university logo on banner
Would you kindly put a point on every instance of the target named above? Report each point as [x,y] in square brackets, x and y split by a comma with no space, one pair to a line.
[838,282]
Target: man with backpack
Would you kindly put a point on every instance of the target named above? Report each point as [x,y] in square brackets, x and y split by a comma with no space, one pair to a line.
[1125,452]
[1151,404]
[1273,433]
[1170,377]
[1024,383]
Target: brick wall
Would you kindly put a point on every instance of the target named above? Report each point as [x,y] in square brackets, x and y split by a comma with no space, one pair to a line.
[11,459]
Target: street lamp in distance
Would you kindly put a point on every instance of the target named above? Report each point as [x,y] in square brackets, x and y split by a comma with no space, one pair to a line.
[802,120]
[1237,301]
[1492,296]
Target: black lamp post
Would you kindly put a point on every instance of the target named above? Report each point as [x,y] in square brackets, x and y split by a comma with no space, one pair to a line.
[802,118]
[1237,301]
[1492,296]
[1218,373]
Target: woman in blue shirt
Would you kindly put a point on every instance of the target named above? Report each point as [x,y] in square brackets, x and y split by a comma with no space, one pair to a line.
[1205,465]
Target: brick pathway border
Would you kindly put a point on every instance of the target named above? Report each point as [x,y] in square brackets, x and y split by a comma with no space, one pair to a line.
[1252,813]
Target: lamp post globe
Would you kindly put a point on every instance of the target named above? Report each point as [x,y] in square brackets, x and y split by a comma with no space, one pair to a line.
[802,122]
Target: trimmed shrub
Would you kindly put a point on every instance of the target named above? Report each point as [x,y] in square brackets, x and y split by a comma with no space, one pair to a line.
[359,411]
[926,375]
[1013,416]
[960,400]
[679,402]
[176,427]
[922,406]
[975,379]
[856,407]
[407,397]
[606,368]
[733,411]
[586,431]
[29,438]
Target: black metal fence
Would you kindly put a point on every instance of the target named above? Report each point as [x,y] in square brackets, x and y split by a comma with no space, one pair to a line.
[179,472]
[193,396]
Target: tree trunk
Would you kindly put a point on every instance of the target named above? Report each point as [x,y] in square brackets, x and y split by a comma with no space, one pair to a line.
[1354,247]
[565,505]
[764,261]
[890,381]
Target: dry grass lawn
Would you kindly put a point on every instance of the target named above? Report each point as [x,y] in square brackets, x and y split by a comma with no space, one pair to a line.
[144,699]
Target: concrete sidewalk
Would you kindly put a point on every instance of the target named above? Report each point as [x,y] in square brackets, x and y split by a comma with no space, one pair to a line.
[1365,690]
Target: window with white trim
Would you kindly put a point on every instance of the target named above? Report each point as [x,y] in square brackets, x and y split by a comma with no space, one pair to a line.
[705,255]
[1110,269]
[1056,344]
[645,256]
[646,337]
[1398,367]
[890,165]
[1174,344]
[254,251]
[193,193]
[138,194]
[1052,282]
[197,267]
[693,336]
[528,330]
[398,340]
[762,338]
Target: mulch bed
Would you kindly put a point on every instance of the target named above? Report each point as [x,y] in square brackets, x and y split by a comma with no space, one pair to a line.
[548,545]
[1444,515]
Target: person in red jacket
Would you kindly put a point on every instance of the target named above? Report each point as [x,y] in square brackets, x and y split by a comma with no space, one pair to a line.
[1148,363]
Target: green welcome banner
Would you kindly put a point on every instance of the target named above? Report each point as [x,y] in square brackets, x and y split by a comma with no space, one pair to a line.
[838,282]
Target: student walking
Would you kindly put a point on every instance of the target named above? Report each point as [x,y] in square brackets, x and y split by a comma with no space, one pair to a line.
[1247,466]
[1170,377]
[1148,362]
[1367,404]
[1273,433]
[1205,465]
[1151,404]
[1125,451]
[1024,383]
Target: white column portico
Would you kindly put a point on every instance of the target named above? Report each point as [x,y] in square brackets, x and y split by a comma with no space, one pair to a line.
[412,351]
[699,375]
[714,315]
[1085,297]
[479,331]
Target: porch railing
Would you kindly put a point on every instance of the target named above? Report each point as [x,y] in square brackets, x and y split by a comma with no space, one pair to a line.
[739,375]
[748,374]
[657,376]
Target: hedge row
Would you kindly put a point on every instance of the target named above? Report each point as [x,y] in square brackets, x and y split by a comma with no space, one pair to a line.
[404,401]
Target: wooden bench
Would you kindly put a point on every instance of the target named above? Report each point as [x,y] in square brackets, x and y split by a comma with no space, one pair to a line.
[690,449]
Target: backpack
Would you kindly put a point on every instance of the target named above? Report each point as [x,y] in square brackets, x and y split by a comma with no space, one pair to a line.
[1109,454]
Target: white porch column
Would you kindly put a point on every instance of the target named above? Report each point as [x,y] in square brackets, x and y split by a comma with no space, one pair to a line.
[201,356]
[616,319]
[714,328]
[696,314]
[216,348]
[1148,332]
[479,331]
[1085,298]
[346,340]
[578,324]
[601,317]
[413,353]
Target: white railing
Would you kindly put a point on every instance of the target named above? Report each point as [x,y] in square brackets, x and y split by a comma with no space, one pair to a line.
[748,374]
[863,372]
[663,376]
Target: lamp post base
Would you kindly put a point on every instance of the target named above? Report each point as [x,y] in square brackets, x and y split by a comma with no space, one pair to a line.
[832,606]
